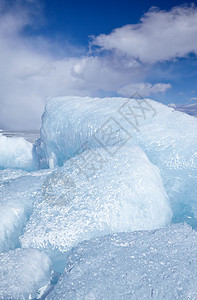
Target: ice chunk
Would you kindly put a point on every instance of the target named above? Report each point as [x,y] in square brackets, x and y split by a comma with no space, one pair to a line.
[168,137]
[16,204]
[23,272]
[9,174]
[159,264]
[69,122]
[16,153]
[95,194]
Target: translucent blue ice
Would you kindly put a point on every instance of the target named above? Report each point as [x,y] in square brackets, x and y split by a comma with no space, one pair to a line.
[17,192]
[101,166]
[159,264]
[121,193]
[168,137]
[16,153]
[23,272]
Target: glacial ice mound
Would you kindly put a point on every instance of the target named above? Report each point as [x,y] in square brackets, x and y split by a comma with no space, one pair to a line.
[77,202]
[168,137]
[18,190]
[23,272]
[105,165]
[16,153]
[69,122]
[159,264]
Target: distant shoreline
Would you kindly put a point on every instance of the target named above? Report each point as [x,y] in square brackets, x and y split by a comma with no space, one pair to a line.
[29,135]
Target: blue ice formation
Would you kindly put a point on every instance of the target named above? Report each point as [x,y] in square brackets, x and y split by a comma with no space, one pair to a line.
[16,153]
[159,264]
[18,190]
[168,137]
[22,272]
[100,167]
[124,193]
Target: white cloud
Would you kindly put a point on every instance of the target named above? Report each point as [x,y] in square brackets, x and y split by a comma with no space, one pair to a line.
[159,36]
[31,73]
[144,89]
[190,109]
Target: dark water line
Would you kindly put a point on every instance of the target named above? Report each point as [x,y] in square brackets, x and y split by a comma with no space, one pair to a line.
[29,135]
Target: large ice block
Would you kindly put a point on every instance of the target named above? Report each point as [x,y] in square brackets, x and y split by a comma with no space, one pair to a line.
[159,264]
[95,194]
[168,137]
[16,204]
[23,272]
[16,153]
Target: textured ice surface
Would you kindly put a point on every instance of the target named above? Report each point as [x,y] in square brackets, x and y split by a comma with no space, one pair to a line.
[168,137]
[68,122]
[16,153]
[108,155]
[16,204]
[120,193]
[158,265]
[9,174]
[22,272]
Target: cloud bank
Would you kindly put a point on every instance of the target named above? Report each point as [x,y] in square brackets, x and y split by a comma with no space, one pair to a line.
[159,36]
[190,109]
[33,71]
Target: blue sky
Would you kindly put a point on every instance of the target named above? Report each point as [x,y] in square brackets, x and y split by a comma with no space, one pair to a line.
[94,48]
[77,20]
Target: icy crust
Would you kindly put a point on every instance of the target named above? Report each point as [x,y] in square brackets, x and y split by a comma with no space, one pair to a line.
[123,193]
[23,272]
[9,174]
[69,122]
[168,137]
[159,264]
[16,204]
[16,153]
